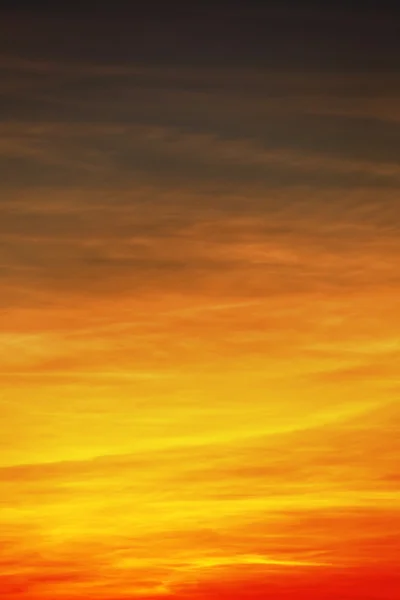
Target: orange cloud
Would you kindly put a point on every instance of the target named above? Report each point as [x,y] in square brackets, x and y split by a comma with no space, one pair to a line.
[199,340]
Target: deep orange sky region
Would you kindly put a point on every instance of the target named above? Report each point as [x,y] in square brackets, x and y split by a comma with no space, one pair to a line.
[200,303]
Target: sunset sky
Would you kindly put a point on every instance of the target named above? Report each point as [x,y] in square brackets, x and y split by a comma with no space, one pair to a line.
[200,302]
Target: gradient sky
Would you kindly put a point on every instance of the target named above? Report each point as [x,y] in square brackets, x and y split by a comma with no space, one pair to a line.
[200,302]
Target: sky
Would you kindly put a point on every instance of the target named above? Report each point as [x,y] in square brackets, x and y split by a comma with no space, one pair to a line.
[200,301]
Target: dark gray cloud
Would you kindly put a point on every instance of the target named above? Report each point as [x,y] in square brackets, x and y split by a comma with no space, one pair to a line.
[70,124]
[267,35]
[111,135]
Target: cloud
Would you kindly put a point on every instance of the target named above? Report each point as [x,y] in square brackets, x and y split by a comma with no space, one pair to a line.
[198,347]
[300,510]
[67,154]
